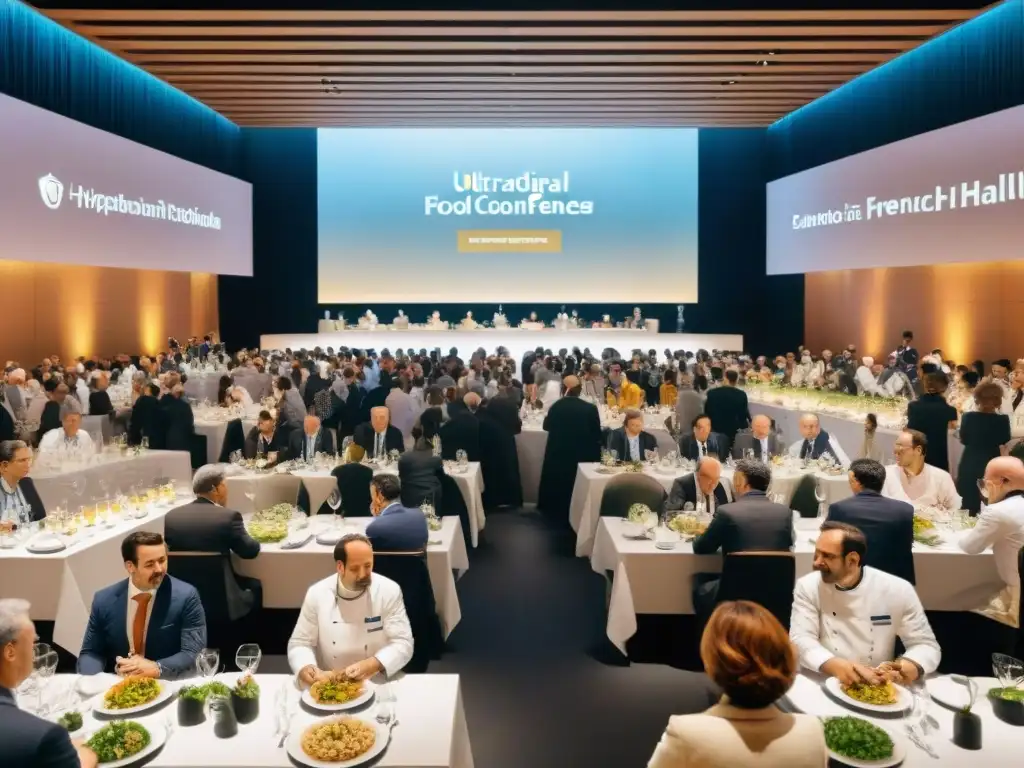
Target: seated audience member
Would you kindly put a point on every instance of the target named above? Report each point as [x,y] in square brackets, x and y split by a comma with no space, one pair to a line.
[304,444]
[419,470]
[887,523]
[865,379]
[290,408]
[377,437]
[147,417]
[630,441]
[462,430]
[17,492]
[265,440]
[207,525]
[151,624]
[702,441]
[395,528]
[620,391]
[29,741]
[847,616]
[99,399]
[1001,526]
[353,621]
[817,443]
[706,484]
[934,417]
[178,419]
[71,441]
[761,439]
[915,481]
[746,651]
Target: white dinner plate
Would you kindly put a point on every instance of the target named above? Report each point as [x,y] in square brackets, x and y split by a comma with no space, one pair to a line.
[157,737]
[904,699]
[358,701]
[294,745]
[954,695]
[45,547]
[899,754]
[166,692]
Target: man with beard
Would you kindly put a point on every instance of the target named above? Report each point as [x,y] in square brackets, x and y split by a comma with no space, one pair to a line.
[149,625]
[574,435]
[847,616]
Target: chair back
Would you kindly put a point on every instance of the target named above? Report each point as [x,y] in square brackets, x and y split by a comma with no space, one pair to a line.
[804,501]
[453,504]
[354,487]
[622,491]
[766,578]
[206,572]
[197,449]
[409,571]
[234,440]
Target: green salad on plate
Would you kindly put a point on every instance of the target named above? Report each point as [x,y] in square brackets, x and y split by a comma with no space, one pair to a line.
[858,739]
[118,740]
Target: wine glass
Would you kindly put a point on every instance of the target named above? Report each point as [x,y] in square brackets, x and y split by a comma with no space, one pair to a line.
[821,495]
[44,664]
[334,502]
[208,662]
[248,657]
[1009,670]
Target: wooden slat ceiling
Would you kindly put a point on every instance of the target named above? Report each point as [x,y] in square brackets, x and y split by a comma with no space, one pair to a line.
[264,67]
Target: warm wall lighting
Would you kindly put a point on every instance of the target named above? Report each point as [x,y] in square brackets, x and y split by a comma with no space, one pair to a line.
[152,311]
[874,317]
[79,288]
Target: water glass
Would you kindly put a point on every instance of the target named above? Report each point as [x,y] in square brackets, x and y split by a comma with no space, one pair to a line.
[208,662]
[248,657]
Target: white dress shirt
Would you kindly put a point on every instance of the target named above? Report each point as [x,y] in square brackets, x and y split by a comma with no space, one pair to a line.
[933,487]
[82,393]
[633,446]
[133,608]
[867,384]
[12,501]
[333,632]
[56,441]
[861,624]
[1016,415]
[1000,526]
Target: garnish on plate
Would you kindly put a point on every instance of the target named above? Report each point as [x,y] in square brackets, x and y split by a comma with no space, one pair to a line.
[118,740]
[335,689]
[133,691]
[71,720]
[858,739]
[881,694]
[203,692]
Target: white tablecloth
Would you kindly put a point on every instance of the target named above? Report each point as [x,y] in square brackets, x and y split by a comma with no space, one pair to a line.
[648,580]
[61,586]
[1000,742]
[287,573]
[431,730]
[100,428]
[585,507]
[214,431]
[274,488]
[111,474]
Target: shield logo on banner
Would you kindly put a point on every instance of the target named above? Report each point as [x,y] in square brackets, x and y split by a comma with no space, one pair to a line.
[51,190]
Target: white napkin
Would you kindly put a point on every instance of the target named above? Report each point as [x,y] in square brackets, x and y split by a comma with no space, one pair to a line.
[297,539]
[45,542]
[329,537]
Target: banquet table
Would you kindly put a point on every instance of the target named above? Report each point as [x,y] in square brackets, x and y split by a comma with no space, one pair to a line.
[269,488]
[287,573]
[109,473]
[585,507]
[1000,741]
[214,430]
[648,580]
[431,727]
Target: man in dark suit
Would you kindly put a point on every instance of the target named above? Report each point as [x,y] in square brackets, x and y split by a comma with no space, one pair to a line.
[630,442]
[377,437]
[888,524]
[574,435]
[934,417]
[462,430]
[16,489]
[706,484]
[306,443]
[146,419]
[29,741]
[150,624]
[179,421]
[207,525]
[728,408]
[761,439]
[702,441]
[395,528]
[749,524]
[265,440]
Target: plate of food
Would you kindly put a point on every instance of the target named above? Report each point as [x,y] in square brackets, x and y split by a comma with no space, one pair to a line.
[336,693]
[338,742]
[125,742]
[886,698]
[133,694]
[855,742]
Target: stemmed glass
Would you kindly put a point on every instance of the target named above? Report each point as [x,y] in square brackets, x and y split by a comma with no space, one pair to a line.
[461,459]
[334,502]
[821,495]
[248,657]
[208,662]
[44,664]
[1009,670]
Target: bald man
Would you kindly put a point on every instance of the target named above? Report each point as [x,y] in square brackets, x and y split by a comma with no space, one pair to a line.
[377,437]
[1001,526]
[761,439]
[817,442]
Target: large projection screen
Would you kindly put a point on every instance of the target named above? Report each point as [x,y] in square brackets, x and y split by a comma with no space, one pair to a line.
[507,215]
[951,195]
[73,194]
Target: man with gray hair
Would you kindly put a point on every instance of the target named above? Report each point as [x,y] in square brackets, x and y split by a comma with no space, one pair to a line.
[70,441]
[29,741]
[207,525]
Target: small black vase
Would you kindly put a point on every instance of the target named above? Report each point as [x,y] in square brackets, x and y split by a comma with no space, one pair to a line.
[246,710]
[224,725]
[1010,712]
[967,730]
[191,711]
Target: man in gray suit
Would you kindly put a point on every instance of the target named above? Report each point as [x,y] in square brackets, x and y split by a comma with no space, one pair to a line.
[760,438]
[689,402]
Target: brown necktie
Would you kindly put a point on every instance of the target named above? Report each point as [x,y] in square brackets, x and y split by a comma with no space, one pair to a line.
[139,624]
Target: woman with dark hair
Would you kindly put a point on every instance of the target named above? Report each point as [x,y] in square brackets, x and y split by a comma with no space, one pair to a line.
[984,433]
[870,449]
[224,391]
[747,653]
[419,470]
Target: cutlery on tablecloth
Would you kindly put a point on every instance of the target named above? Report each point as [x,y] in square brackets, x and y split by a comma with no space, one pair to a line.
[920,742]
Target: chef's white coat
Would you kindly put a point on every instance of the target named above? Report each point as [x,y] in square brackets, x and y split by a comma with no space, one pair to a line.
[333,633]
[861,624]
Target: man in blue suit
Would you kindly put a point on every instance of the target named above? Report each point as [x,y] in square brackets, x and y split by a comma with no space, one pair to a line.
[396,528]
[150,624]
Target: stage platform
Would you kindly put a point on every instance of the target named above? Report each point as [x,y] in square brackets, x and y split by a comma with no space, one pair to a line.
[516,340]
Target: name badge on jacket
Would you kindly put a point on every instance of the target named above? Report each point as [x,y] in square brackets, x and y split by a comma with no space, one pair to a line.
[373,624]
[881,621]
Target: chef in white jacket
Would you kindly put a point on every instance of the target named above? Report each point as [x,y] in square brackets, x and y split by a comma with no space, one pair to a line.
[846,616]
[353,621]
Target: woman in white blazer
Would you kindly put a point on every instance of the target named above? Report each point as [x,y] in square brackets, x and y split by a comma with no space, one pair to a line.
[748,654]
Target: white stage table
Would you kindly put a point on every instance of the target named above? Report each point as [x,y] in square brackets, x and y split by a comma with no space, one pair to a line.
[585,507]
[431,730]
[648,580]
[287,573]
[516,340]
